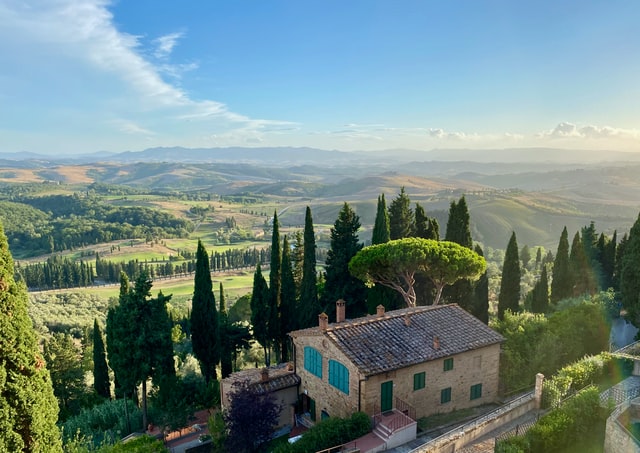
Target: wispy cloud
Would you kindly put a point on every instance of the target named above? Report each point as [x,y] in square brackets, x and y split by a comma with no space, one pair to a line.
[165,44]
[130,127]
[84,32]
[571,130]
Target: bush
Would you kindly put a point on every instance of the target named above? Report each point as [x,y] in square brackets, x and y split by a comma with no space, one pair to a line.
[579,422]
[588,370]
[329,433]
[105,422]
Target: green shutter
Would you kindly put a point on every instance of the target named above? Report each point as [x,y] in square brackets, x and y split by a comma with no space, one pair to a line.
[448,364]
[445,395]
[419,380]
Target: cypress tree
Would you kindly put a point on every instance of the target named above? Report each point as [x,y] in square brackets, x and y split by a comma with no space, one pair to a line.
[260,312]
[139,338]
[275,286]
[28,407]
[340,284]
[101,382]
[509,297]
[309,305]
[426,227]
[584,279]
[381,233]
[561,278]
[607,253]
[481,294]
[617,273]
[297,260]
[459,231]
[379,294]
[540,293]
[226,348]
[630,274]
[458,224]
[205,337]
[401,217]
[287,301]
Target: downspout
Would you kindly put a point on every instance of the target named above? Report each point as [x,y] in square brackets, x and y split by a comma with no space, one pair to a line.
[360,393]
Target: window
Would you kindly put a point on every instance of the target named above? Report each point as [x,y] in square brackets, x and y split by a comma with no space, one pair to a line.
[476,392]
[445,395]
[339,376]
[448,364]
[419,381]
[313,361]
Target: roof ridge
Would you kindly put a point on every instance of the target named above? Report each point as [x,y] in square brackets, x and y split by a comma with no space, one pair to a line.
[371,318]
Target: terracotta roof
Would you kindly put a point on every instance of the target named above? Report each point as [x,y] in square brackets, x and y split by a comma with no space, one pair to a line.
[280,376]
[380,344]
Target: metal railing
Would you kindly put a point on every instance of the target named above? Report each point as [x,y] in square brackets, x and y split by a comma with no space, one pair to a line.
[472,425]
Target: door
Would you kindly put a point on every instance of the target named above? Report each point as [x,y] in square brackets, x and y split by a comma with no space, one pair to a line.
[386,396]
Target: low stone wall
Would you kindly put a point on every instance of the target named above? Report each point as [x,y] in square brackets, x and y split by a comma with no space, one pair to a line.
[466,434]
[618,438]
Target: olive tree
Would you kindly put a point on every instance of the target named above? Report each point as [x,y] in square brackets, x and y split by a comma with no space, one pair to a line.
[396,263]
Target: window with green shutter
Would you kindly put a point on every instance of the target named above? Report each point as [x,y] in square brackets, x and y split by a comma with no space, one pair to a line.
[339,376]
[448,364]
[445,395]
[476,392]
[419,380]
[313,361]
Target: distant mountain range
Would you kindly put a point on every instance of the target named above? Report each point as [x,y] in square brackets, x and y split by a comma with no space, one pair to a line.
[290,156]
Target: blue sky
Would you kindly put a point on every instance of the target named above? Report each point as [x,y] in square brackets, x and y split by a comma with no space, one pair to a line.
[79,76]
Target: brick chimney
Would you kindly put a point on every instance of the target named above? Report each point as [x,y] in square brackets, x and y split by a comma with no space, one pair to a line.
[323,321]
[407,320]
[380,311]
[264,374]
[340,310]
[436,343]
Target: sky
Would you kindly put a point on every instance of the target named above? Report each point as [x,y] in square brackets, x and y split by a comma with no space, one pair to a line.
[82,76]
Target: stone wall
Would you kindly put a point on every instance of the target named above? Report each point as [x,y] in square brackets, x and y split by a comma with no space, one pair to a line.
[617,437]
[479,366]
[334,402]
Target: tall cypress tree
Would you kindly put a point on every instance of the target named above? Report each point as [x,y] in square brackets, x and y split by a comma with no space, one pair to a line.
[340,284]
[139,338]
[287,301]
[297,260]
[459,231]
[561,277]
[426,227]
[275,285]
[540,293]
[481,294]
[617,273]
[607,251]
[101,382]
[401,217]
[509,297]
[458,224]
[584,279]
[381,233]
[309,305]
[379,294]
[205,337]
[28,407]
[226,348]
[260,315]
[630,274]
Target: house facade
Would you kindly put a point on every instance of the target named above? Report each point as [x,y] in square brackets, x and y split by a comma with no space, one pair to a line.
[431,359]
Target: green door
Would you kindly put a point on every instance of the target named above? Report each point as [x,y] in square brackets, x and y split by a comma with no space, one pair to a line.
[386,396]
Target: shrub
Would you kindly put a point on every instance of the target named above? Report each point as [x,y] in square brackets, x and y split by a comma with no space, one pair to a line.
[329,433]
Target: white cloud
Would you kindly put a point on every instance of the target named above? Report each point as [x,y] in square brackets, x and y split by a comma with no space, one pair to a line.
[571,130]
[165,44]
